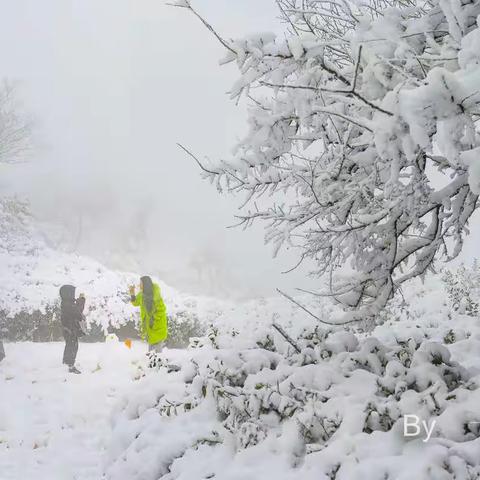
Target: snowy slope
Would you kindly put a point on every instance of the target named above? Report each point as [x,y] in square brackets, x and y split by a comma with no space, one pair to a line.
[32,269]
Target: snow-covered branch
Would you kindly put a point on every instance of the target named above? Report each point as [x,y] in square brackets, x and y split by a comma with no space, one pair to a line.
[347,132]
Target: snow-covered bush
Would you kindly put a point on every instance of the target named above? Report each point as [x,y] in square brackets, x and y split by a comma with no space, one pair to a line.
[322,403]
[31,326]
[182,326]
[362,131]
[463,288]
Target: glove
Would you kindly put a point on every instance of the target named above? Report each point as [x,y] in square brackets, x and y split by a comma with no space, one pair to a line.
[131,289]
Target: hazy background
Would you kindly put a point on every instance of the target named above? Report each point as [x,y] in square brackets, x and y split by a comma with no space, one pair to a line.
[113,85]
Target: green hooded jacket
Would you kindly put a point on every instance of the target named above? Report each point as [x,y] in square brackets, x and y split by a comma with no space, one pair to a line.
[153,326]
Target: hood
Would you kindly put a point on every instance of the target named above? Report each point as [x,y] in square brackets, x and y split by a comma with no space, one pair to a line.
[67,292]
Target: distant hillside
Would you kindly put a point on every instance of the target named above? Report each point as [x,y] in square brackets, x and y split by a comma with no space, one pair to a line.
[32,271]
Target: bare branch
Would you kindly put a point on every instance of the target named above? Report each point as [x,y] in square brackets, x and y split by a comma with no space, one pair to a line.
[212,172]
[188,6]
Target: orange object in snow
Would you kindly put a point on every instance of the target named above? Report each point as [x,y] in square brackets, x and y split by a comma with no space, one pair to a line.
[128,343]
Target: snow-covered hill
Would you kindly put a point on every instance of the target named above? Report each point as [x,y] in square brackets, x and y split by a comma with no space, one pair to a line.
[32,269]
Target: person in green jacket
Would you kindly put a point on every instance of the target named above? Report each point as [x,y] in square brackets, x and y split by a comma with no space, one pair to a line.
[153,313]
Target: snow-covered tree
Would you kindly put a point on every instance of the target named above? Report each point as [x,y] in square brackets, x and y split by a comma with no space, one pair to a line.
[463,288]
[15,126]
[362,149]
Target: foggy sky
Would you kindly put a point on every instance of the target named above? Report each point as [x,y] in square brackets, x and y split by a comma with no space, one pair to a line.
[113,85]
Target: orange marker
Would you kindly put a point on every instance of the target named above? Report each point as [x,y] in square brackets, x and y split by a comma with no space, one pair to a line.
[128,343]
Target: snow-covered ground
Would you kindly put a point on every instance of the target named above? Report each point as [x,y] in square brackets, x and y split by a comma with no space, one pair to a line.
[246,405]
[55,425]
[267,392]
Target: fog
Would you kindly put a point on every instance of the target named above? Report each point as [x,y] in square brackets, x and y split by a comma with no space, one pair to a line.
[113,85]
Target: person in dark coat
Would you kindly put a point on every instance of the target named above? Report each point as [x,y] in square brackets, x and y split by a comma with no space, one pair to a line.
[2,351]
[71,317]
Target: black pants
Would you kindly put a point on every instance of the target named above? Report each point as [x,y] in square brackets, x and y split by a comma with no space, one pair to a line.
[2,351]
[71,348]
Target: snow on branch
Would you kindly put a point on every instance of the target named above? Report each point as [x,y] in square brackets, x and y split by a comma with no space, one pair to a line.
[354,113]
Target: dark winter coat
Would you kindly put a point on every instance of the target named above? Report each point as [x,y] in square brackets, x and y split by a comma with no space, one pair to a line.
[71,310]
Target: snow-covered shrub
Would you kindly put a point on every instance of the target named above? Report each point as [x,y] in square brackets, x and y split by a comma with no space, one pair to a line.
[182,326]
[38,326]
[306,401]
[463,288]
[34,326]
[362,130]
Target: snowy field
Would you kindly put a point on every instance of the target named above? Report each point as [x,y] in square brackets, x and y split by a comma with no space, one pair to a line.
[247,404]
[55,425]
[322,403]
